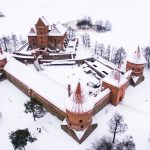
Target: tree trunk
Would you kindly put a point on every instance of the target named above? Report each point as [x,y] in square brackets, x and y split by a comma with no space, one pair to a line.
[114,137]
[115,133]
[34,116]
[24,148]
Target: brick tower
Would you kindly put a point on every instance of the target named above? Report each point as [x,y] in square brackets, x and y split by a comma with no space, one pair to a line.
[79,122]
[117,83]
[136,64]
[79,110]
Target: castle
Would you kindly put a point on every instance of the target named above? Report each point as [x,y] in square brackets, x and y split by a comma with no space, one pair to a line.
[77,101]
[46,35]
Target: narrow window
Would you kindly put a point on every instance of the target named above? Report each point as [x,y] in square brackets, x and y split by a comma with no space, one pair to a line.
[80,121]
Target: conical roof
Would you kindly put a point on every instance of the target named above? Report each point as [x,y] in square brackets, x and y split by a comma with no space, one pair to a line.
[79,101]
[137,57]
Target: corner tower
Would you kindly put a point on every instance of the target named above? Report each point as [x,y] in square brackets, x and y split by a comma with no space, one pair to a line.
[136,63]
[79,122]
[79,110]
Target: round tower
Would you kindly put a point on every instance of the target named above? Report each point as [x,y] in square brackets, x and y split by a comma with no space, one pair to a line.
[79,110]
[136,63]
[3,61]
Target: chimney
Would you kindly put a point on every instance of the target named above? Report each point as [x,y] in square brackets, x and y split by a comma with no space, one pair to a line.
[69,90]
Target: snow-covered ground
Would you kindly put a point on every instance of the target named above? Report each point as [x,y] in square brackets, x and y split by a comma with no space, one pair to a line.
[129,18]
[134,108]
[130,28]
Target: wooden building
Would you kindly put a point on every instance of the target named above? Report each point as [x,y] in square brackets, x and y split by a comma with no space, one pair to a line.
[46,35]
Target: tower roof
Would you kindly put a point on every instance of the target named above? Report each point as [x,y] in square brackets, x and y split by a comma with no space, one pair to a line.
[137,57]
[78,96]
[115,78]
[32,32]
[79,101]
[58,30]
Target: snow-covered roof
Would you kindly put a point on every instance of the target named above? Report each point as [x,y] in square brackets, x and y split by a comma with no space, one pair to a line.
[2,56]
[100,67]
[32,32]
[23,56]
[79,101]
[44,21]
[58,30]
[115,78]
[38,82]
[100,95]
[137,57]
[127,74]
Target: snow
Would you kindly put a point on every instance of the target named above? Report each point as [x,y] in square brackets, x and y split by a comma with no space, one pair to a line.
[100,95]
[38,83]
[58,30]
[130,28]
[127,74]
[32,34]
[134,108]
[136,60]
[100,67]
[85,106]
[22,56]
[135,78]
[115,82]
[2,56]
[44,21]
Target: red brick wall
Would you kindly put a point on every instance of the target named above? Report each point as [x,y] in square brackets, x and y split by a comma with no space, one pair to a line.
[2,63]
[137,69]
[29,92]
[101,104]
[56,42]
[32,41]
[117,94]
[79,121]
[42,41]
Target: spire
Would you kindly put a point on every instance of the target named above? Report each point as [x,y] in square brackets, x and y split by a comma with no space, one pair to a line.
[78,95]
[117,76]
[138,52]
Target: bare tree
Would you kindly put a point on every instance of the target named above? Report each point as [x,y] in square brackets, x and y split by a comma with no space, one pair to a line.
[70,33]
[119,56]
[107,52]
[147,55]
[15,42]
[105,143]
[34,107]
[86,40]
[117,125]
[126,144]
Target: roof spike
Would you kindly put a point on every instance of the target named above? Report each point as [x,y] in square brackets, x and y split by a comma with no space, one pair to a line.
[138,52]
[78,95]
